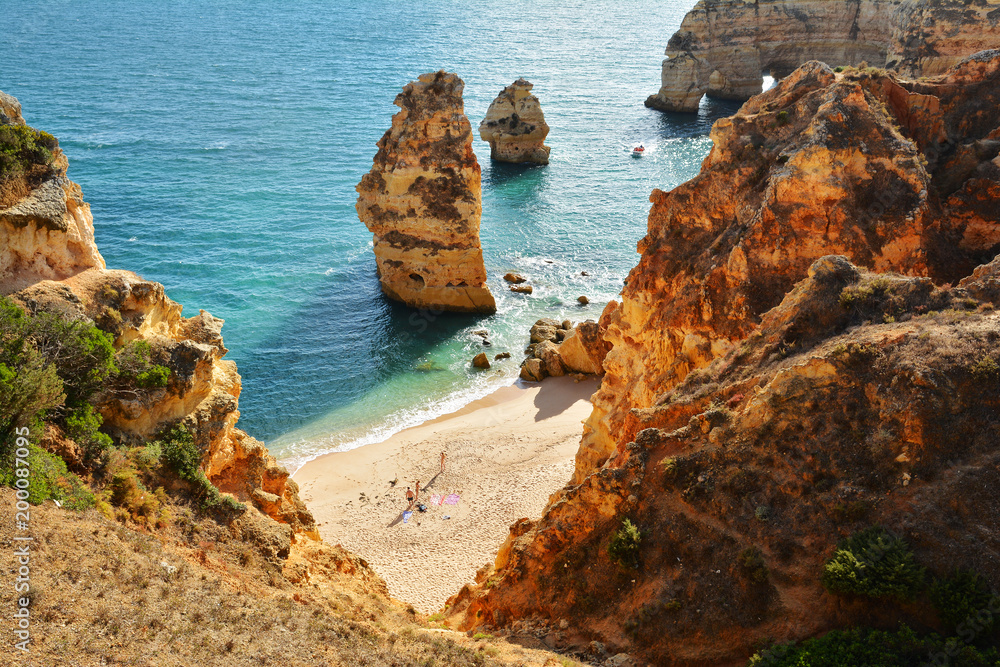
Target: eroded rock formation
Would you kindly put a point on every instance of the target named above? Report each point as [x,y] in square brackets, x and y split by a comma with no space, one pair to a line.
[46,229]
[763,398]
[723,46]
[559,348]
[50,262]
[422,200]
[861,399]
[515,126]
[896,175]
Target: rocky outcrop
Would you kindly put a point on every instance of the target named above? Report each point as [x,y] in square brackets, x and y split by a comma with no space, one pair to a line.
[515,126]
[46,229]
[50,263]
[422,200]
[723,46]
[763,399]
[860,399]
[559,348]
[896,175]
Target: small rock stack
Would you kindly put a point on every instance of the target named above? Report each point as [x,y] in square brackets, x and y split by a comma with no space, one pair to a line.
[515,126]
[558,348]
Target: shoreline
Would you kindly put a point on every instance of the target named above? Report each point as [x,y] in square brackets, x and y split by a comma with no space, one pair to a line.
[506,453]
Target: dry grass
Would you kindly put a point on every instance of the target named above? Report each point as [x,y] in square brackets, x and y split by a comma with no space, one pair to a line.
[101,596]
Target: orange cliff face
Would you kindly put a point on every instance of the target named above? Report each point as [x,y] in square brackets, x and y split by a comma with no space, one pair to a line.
[723,46]
[422,200]
[46,227]
[763,399]
[895,175]
[50,262]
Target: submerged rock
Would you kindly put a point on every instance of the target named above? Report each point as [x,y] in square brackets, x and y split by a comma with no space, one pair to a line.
[515,126]
[422,200]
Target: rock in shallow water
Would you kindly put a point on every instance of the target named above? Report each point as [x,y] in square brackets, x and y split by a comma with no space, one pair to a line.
[515,126]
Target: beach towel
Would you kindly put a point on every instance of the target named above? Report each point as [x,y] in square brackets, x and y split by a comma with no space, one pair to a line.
[436,499]
[406,515]
[451,499]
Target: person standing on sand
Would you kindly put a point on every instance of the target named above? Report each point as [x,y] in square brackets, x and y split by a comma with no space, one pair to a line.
[442,462]
[410,498]
[417,499]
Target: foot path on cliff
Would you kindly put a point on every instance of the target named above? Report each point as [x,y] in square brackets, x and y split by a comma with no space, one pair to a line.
[507,453]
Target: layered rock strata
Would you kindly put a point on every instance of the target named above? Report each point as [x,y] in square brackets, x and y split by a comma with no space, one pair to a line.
[896,175]
[422,201]
[515,126]
[50,262]
[860,399]
[723,46]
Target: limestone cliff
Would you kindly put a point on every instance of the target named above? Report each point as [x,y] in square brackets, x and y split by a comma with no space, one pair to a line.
[515,126]
[762,398]
[46,229]
[861,399]
[896,175]
[723,46]
[422,200]
[50,262]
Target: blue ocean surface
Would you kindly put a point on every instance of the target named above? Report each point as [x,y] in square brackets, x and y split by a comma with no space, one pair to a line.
[219,144]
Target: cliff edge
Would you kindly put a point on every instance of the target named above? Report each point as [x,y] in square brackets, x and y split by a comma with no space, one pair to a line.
[723,46]
[764,398]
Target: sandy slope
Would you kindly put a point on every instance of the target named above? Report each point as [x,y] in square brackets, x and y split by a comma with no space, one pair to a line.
[506,454]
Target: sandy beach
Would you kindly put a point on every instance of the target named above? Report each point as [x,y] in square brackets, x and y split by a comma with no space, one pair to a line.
[505,455]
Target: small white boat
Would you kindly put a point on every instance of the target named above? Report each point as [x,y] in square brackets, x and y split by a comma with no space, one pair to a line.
[638,151]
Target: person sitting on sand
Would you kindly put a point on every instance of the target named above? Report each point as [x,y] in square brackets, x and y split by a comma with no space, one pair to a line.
[410,497]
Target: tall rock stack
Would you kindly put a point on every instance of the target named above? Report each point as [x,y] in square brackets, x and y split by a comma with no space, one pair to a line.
[515,126]
[422,200]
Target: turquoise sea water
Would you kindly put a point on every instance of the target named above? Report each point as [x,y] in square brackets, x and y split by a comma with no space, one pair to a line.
[219,144]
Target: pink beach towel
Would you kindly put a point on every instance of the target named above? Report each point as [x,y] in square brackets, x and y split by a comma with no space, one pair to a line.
[436,499]
[451,499]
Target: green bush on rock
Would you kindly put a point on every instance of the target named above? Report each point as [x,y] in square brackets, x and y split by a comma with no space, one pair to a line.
[965,603]
[902,648]
[624,545]
[21,147]
[874,563]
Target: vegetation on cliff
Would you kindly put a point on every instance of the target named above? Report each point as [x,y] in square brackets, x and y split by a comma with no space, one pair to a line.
[804,441]
[26,155]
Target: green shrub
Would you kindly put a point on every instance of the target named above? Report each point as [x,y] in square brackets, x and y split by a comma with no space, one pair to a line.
[48,479]
[181,454]
[965,602]
[134,369]
[84,355]
[782,118]
[753,565]
[876,564]
[21,147]
[875,648]
[82,426]
[985,370]
[624,546]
